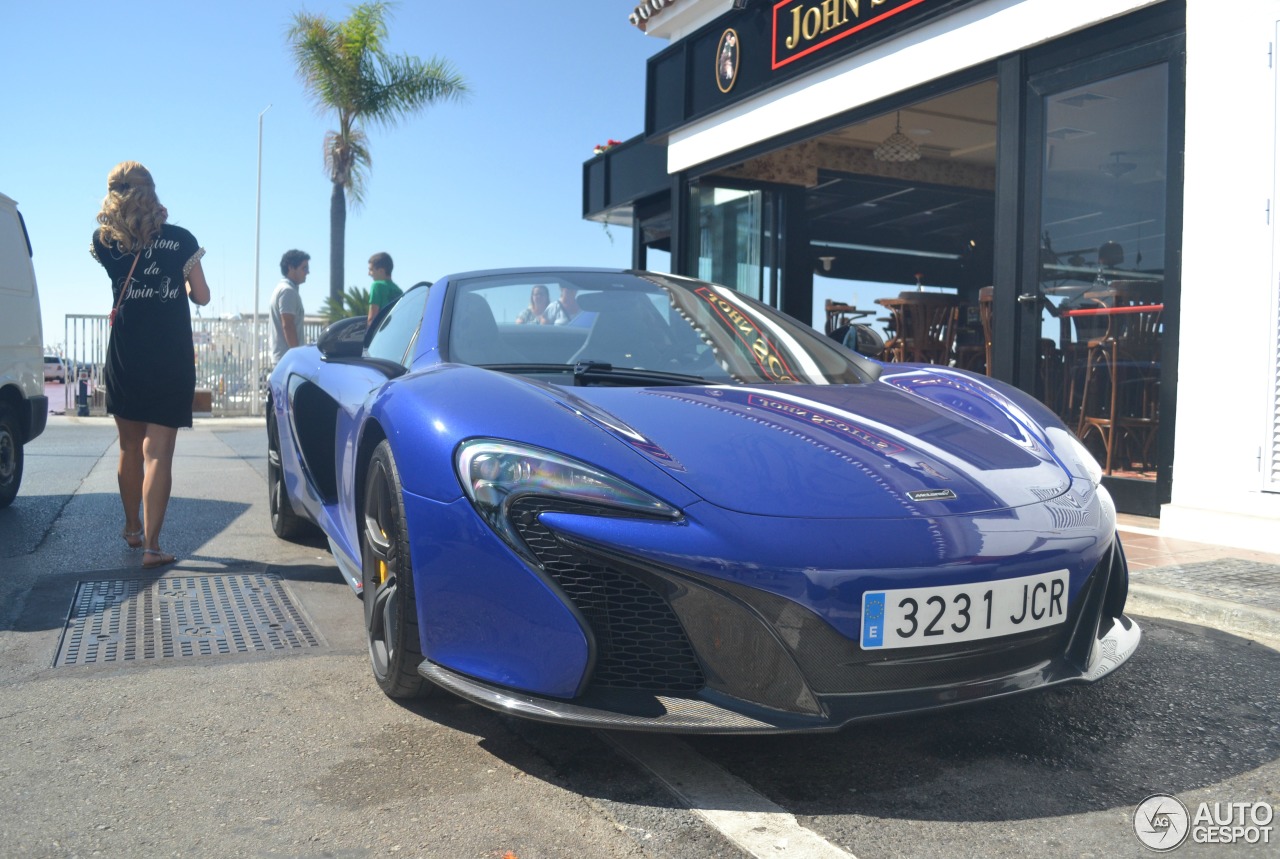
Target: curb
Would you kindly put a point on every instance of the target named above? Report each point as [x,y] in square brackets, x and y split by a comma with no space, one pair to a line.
[1205,611]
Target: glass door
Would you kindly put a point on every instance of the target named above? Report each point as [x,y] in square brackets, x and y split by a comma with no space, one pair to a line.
[1094,290]
[734,236]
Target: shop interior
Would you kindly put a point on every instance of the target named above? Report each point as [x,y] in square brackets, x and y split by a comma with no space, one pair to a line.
[899,211]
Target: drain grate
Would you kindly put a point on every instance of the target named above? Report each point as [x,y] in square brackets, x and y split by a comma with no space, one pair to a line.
[171,618]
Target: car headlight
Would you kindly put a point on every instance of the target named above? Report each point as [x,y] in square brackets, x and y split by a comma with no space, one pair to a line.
[496,474]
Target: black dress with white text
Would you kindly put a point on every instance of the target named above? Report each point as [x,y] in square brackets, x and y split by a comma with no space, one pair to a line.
[150,369]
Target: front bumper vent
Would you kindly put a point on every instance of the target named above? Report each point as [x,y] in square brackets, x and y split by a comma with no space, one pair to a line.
[640,643]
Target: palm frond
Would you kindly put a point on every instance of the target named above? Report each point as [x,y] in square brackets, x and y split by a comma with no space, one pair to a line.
[354,302]
[406,85]
[317,58]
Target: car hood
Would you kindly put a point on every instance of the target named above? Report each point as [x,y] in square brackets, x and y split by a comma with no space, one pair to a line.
[912,444]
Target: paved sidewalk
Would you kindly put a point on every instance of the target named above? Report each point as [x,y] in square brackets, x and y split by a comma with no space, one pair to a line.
[1235,590]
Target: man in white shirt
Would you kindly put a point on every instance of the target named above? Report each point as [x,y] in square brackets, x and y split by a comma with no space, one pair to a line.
[286,304]
[565,310]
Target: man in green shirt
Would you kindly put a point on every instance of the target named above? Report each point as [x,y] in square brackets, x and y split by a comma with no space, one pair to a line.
[383,291]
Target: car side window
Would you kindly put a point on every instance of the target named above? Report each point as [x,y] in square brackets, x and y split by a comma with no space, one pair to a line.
[392,339]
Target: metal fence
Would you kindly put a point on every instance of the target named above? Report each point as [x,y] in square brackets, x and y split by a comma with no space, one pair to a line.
[224,348]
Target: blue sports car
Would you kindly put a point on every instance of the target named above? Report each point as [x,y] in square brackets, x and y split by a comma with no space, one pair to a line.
[681,510]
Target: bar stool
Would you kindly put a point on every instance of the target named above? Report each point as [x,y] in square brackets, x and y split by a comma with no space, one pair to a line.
[1090,331]
[986,297]
[924,325]
[1119,400]
[976,356]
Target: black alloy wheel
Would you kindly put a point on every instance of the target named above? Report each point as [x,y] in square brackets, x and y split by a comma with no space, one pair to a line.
[10,456]
[286,524]
[390,610]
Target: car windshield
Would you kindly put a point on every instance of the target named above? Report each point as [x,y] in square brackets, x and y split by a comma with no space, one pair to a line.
[634,328]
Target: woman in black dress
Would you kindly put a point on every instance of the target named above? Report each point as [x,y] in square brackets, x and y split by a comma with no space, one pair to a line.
[150,372]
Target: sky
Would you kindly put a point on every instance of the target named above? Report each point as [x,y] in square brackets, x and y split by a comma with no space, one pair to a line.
[493,181]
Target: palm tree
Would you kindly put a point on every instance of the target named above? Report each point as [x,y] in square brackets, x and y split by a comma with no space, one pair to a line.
[354,302]
[346,70]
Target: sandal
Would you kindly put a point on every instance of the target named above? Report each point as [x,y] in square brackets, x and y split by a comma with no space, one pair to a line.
[152,558]
[132,538]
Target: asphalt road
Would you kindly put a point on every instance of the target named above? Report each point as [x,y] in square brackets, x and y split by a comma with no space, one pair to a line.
[296,753]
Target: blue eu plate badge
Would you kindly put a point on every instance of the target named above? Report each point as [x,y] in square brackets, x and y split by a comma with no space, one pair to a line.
[873,619]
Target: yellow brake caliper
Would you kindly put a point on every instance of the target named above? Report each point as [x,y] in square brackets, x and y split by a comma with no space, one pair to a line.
[382,565]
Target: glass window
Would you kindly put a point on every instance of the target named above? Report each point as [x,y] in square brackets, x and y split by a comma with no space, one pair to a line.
[733,235]
[393,337]
[1103,209]
[1102,262]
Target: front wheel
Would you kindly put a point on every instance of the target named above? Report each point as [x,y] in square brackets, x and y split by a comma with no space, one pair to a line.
[10,456]
[390,610]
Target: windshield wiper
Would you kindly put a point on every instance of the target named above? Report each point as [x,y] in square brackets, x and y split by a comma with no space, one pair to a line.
[587,372]
[527,368]
[587,368]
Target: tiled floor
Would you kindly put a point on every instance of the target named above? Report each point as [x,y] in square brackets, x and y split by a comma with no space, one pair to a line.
[1145,547]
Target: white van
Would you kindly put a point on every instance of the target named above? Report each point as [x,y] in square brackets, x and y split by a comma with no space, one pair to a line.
[24,409]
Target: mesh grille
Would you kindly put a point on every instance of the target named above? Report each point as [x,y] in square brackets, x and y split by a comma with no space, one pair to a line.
[174,617]
[640,642]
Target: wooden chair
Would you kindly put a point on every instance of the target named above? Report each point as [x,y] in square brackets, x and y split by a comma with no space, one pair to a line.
[924,325]
[1119,401]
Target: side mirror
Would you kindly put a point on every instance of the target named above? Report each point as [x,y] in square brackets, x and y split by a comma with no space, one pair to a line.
[344,338]
[861,338]
[865,340]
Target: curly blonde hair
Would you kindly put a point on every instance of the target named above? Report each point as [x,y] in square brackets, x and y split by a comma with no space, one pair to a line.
[131,213]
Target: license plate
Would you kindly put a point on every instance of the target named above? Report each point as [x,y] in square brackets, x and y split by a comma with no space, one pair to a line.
[922,617]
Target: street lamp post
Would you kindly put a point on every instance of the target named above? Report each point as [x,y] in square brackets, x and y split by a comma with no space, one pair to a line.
[257,249]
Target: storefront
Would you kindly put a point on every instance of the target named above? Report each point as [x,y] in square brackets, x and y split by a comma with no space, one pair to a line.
[1086,185]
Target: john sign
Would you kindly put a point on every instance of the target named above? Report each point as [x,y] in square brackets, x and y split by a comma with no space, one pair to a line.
[802,27]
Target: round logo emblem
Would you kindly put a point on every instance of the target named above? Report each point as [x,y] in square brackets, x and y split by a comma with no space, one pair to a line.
[1161,822]
[727,60]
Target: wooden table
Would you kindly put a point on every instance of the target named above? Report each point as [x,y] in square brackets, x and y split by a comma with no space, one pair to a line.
[924,325]
[842,314]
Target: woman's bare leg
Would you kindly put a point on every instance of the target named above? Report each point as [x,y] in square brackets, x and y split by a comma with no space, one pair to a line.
[129,473]
[157,483]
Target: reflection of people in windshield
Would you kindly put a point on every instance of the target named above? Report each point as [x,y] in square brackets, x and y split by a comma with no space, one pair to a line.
[539,303]
[566,309]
